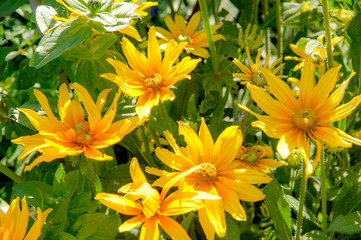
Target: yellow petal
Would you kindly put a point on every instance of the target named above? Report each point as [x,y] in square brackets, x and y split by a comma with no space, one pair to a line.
[272,163]
[180,23]
[95,154]
[35,231]
[307,82]
[215,213]
[64,101]
[171,25]
[163,34]
[172,160]
[102,99]
[135,172]
[173,228]
[31,143]
[242,67]
[150,229]
[131,32]
[342,111]
[119,203]
[136,60]
[132,223]
[194,145]
[154,55]
[193,23]
[206,140]
[207,226]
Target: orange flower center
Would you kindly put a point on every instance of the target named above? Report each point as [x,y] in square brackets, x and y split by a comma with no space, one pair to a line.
[250,156]
[207,174]
[305,119]
[183,38]
[154,82]
[258,79]
[82,134]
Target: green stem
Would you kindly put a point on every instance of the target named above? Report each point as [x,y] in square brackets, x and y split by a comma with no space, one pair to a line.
[90,174]
[157,142]
[359,75]
[207,26]
[136,144]
[10,174]
[215,11]
[170,3]
[266,31]
[146,142]
[301,202]
[243,123]
[255,13]
[279,30]
[323,192]
[328,34]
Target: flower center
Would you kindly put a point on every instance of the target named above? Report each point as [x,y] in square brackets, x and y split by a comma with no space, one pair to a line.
[206,174]
[82,134]
[154,82]
[305,119]
[250,156]
[183,38]
[316,57]
[258,79]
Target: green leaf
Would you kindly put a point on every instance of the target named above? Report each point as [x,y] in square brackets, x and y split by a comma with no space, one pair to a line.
[95,226]
[349,224]
[4,51]
[7,7]
[116,177]
[66,236]
[315,235]
[44,18]
[37,193]
[79,5]
[354,31]
[65,36]
[59,186]
[279,209]
[80,204]
[101,44]
[233,231]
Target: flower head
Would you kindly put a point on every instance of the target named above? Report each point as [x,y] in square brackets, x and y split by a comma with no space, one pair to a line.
[253,74]
[179,31]
[250,39]
[217,174]
[14,223]
[72,134]
[291,119]
[150,79]
[257,157]
[153,209]
[318,55]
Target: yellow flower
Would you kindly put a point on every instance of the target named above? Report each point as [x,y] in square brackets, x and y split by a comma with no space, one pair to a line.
[253,74]
[250,38]
[258,158]
[14,223]
[318,55]
[182,32]
[72,134]
[291,119]
[218,174]
[150,78]
[151,208]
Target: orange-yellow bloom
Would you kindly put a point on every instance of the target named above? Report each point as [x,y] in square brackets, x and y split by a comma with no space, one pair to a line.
[150,79]
[14,223]
[72,134]
[151,208]
[258,157]
[291,119]
[253,74]
[218,174]
[182,32]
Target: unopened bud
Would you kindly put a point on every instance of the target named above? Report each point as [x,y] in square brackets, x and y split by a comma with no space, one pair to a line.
[295,159]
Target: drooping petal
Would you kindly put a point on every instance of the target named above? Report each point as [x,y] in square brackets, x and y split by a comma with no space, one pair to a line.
[132,223]
[135,172]
[342,111]
[307,83]
[173,160]
[31,144]
[207,226]
[194,145]
[150,229]
[215,213]
[95,154]
[173,228]
[154,55]
[119,203]
[136,60]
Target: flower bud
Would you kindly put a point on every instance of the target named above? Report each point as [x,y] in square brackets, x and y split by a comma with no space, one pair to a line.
[295,159]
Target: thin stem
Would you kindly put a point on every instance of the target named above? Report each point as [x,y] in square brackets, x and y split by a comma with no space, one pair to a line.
[146,142]
[328,34]
[207,26]
[255,13]
[170,3]
[243,123]
[266,31]
[323,192]
[135,142]
[90,174]
[155,137]
[10,174]
[215,11]
[279,30]
[301,202]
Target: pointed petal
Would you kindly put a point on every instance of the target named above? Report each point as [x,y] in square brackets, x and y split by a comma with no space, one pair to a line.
[136,60]
[154,55]
[64,101]
[135,172]
[194,145]
[95,154]
[150,229]
[206,139]
[342,111]
[307,82]
[132,223]
[207,226]
[173,228]
[119,203]
[171,25]
[193,23]
[172,160]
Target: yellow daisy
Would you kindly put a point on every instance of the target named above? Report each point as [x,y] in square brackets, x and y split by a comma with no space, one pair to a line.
[291,119]
[318,55]
[150,79]
[257,157]
[72,134]
[14,223]
[218,174]
[151,208]
[182,32]
[253,74]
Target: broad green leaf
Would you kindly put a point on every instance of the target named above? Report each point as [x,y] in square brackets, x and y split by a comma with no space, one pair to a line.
[44,18]
[233,231]
[354,31]
[4,51]
[65,36]
[37,193]
[315,235]
[104,18]
[116,177]
[124,10]
[95,226]
[66,236]
[349,224]
[79,5]
[59,186]
[7,7]
[351,200]
[80,204]
[101,44]
[279,209]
